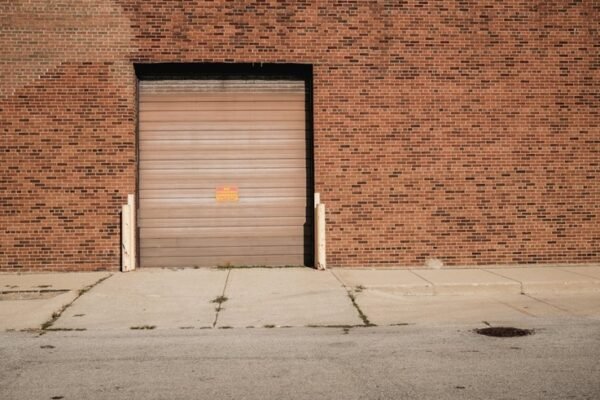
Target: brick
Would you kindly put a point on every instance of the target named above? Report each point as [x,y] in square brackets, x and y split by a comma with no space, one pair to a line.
[466,131]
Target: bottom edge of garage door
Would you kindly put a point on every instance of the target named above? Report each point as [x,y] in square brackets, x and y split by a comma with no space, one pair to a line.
[190,262]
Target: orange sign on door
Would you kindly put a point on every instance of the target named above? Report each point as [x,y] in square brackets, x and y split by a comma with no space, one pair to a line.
[225,194]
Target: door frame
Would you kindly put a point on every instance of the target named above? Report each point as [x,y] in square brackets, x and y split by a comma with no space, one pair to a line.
[255,70]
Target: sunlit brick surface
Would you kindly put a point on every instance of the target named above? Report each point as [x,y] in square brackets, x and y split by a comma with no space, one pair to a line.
[461,130]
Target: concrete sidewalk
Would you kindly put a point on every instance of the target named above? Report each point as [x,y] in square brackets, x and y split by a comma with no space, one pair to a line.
[28,301]
[518,280]
[285,297]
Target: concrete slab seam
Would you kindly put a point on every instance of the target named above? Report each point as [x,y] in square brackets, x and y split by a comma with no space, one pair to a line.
[56,315]
[507,277]
[517,309]
[363,317]
[433,287]
[549,304]
[578,273]
[218,310]
[337,278]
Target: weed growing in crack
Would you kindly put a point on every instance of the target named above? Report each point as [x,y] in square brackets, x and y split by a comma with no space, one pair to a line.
[257,266]
[219,300]
[362,315]
[46,325]
[66,329]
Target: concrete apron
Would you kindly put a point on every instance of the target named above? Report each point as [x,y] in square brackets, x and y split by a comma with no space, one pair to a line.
[211,298]
[284,297]
[146,299]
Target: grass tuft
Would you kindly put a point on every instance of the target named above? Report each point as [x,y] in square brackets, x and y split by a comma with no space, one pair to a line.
[143,327]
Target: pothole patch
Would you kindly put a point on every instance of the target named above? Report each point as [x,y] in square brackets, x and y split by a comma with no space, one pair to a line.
[504,331]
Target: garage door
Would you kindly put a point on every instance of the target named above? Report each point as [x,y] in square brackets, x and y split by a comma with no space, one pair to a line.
[223,176]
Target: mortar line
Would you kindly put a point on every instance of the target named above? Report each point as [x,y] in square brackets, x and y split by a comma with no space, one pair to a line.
[57,314]
[506,277]
[218,310]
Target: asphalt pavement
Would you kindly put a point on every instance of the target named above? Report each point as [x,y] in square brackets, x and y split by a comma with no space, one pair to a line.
[559,361]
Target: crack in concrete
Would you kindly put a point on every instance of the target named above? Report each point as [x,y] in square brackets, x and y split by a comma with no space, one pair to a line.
[506,277]
[551,305]
[433,287]
[56,315]
[218,309]
[578,272]
[524,312]
[352,298]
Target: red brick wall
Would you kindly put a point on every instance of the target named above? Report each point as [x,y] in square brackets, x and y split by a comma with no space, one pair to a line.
[461,130]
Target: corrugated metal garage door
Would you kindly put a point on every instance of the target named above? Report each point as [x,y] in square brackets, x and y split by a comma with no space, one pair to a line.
[223,173]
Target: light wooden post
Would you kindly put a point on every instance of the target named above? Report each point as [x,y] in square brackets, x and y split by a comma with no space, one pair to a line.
[320,248]
[128,235]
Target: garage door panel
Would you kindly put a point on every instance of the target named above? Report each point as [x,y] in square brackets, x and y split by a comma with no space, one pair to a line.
[221,115]
[215,251]
[247,134]
[211,105]
[198,136]
[242,183]
[225,125]
[222,86]
[249,202]
[241,146]
[169,193]
[225,232]
[224,260]
[251,86]
[208,154]
[221,222]
[224,164]
[225,242]
[226,211]
[258,176]
[213,178]
[183,182]
[233,97]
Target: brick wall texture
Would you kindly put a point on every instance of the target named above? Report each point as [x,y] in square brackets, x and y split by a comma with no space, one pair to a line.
[466,131]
